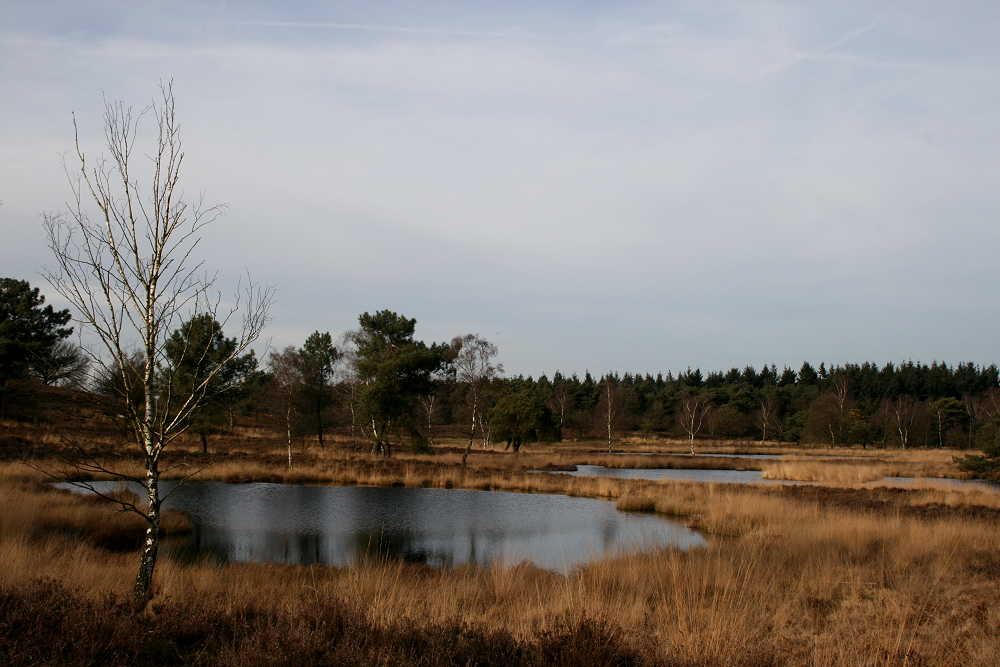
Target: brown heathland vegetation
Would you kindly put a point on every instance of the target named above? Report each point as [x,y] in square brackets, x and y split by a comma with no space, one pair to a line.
[792,575]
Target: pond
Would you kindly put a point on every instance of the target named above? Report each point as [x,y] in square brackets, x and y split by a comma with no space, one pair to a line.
[752,477]
[342,525]
[696,455]
[680,474]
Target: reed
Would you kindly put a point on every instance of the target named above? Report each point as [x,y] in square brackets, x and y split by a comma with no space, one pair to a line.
[838,473]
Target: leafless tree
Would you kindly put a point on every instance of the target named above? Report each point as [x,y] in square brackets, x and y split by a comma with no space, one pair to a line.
[124,258]
[694,409]
[610,407]
[287,377]
[903,411]
[428,404]
[485,427]
[841,389]
[768,413]
[474,366]
[559,402]
[348,382]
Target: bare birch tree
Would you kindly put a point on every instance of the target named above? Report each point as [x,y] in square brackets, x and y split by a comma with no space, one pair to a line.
[130,273]
[348,382]
[428,405]
[485,427]
[474,366]
[904,412]
[841,389]
[610,408]
[768,413]
[695,408]
[287,378]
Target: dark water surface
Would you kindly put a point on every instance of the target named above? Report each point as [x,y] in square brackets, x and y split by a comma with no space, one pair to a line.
[341,525]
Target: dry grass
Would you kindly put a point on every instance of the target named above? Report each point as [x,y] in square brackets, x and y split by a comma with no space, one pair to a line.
[858,578]
[838,473]
[795,584]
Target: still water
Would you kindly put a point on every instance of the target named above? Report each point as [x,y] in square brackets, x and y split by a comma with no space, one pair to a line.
[689,475]
[753,477]
[342,525]
[709,455]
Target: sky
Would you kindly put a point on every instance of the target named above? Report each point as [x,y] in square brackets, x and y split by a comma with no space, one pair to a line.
[630,186]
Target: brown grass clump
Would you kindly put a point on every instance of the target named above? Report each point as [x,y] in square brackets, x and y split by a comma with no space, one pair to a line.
[636,503]
[837,473]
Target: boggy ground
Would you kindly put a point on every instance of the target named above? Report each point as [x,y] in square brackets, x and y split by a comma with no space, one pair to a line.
[792,575]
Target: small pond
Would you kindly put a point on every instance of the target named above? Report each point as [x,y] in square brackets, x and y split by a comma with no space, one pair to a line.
[690,475]
[342,525]
[750,477]
[710,455]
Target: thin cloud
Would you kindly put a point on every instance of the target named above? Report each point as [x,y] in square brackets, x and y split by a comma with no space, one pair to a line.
[400,29]
[802,56]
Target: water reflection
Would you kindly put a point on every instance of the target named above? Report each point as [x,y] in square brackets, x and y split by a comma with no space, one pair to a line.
[345,525]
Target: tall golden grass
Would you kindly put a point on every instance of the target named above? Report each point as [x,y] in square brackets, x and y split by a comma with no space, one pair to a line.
[838,473]
[784,582]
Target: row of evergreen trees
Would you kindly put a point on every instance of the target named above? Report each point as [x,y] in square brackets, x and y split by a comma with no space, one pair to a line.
[420,390]
[903,405]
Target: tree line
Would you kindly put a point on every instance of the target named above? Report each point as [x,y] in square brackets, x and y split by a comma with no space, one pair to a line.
[379,383]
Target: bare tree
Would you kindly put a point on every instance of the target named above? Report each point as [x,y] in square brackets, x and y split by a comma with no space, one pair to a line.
[903,410]
[841,388]
[485,426]
[768,413]
[286,375]
[610,407]
[560,401]
[428,403]
[474,366]
[131,275]
[695,408]
[348,381]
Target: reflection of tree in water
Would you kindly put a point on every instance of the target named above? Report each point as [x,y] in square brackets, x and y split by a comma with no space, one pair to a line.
[192,548]
[396,545]
[609,533]
[224,546]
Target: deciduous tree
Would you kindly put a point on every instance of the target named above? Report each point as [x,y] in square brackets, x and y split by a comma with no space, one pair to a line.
[124,253]
[694,410]
[473,362]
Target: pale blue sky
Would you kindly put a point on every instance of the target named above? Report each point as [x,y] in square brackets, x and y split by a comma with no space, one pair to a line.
[633,186]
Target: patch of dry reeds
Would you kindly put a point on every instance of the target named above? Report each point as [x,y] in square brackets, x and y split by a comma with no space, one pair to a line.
[837,473]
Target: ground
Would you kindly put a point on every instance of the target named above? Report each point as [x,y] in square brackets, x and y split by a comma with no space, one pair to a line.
[830,573]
